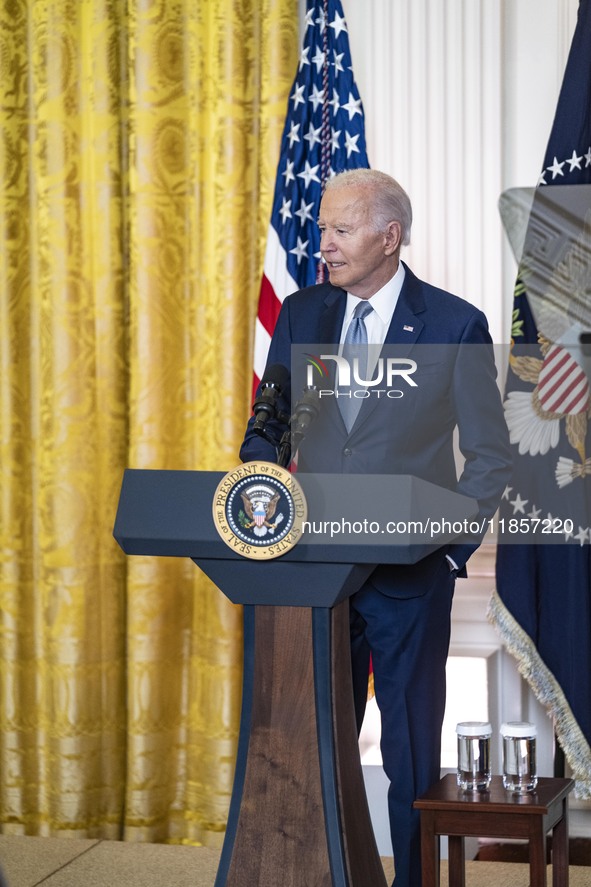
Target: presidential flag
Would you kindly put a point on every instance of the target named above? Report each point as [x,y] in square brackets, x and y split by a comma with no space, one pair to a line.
[542,602]
[324,134]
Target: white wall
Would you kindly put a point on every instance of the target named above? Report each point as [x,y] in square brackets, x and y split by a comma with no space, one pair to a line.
[459,97]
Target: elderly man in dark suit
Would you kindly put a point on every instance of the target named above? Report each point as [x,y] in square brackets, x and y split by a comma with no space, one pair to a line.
[401,616]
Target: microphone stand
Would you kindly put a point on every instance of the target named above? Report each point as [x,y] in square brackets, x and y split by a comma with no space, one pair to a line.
[304,413]
[284,451]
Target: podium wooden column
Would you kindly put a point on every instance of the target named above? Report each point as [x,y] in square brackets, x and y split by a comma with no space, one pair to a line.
[298,815]
[299,812]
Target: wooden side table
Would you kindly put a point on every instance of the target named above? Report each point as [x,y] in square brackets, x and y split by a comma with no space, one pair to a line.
[447,810]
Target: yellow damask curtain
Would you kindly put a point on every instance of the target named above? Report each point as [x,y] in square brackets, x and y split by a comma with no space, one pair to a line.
[139,140]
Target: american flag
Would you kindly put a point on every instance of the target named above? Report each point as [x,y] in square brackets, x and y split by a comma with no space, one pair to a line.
[324,134]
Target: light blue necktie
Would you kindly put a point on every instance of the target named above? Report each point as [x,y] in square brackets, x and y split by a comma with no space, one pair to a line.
[355,346]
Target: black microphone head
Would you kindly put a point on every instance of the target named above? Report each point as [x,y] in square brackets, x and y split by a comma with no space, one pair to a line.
[311,394]
[276,376]
[265,407]
[306,410]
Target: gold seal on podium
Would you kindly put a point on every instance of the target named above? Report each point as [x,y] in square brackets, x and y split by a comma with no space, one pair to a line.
[259,509]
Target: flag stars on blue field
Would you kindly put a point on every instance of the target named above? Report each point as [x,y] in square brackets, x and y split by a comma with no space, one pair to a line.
[288,171]
[299,251]
[518,504]
[546,524]
[324,134]
[285,211]
[353,106]
[318,59]
[574,162]
[309,174]
[351,143]
[556,168]
[313,135]
[338,23]
[304,212]
[582,537]
[337,59]
[316,97]
[309,20]
[298,96]
[304,60]
[335,102]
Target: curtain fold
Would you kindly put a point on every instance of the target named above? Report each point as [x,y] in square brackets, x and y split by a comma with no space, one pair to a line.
[138,150]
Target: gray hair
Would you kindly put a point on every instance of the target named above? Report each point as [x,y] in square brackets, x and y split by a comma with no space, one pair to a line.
[391,203]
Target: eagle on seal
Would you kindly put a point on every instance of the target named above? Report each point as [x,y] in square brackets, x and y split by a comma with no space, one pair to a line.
[260,511]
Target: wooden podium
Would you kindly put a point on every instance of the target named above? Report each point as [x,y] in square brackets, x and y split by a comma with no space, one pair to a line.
[298,815]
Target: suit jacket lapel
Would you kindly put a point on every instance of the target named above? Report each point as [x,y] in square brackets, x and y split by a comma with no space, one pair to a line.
[330,324]
[331,318]
[406,324]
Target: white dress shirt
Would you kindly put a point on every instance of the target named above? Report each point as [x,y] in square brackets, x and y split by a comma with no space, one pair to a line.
[383,303]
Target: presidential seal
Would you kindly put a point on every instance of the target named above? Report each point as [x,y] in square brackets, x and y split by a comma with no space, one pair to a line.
[259,509]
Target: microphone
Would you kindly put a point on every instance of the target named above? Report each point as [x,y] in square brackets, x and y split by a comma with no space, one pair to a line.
[305,411]
[273,383]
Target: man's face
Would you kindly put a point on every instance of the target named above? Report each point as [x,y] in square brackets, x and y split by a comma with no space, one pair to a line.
[359,259]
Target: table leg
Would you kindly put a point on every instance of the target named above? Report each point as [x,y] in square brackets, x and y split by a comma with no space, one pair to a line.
[537,853]
[560,849]
[429,850]
[457,861]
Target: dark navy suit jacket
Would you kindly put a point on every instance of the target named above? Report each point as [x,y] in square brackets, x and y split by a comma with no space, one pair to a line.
[456,386]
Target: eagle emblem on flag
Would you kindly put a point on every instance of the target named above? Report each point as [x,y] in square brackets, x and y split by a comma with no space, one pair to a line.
[561,391]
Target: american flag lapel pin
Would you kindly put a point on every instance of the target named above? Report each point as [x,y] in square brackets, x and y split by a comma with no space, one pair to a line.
[407,328]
